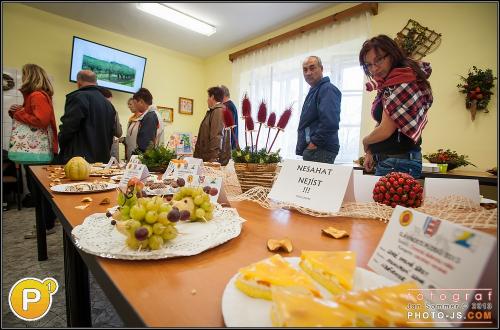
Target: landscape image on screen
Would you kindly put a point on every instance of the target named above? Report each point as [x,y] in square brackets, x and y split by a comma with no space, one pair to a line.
[109,71]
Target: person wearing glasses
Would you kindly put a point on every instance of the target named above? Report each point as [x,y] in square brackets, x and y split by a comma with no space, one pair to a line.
[400,108]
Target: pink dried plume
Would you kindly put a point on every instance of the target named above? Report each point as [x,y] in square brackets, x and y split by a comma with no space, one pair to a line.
[271,121]
[228,118]
[262,113]
[229,124]
[249,125]
[282,122]
[246,106]
[284,118]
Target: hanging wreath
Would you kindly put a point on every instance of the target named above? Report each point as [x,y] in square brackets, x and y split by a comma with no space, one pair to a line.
[417,41]
[477,89]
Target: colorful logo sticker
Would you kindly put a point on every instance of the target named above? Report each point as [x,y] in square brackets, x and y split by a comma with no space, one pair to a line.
[30,299]
[405,218]
[463,239]
[431,226]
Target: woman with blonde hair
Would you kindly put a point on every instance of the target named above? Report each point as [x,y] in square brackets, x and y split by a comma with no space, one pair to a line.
[37,111]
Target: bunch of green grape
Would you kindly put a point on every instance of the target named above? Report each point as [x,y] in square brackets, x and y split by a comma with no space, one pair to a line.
[193,203]
[145,221]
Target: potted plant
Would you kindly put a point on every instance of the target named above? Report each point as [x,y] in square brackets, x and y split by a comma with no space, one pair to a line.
[477,87]
[254,166]
[157,158]
[449,157]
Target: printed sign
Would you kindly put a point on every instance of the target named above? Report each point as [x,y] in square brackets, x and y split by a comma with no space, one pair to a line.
[112,161]
[442,257]
[195,161]
[317,186]
[134,159]
[177,169]
[132,170]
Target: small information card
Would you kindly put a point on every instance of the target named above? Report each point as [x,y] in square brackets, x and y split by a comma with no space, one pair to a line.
[445,259]
[132,170]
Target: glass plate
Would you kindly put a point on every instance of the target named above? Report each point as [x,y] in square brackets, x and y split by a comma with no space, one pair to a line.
[96,235]
[240,310]
[83,187]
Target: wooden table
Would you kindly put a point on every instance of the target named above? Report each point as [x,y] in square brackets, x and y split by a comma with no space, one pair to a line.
[159,293]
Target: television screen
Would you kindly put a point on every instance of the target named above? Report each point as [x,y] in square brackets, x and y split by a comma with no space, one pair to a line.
[115,69]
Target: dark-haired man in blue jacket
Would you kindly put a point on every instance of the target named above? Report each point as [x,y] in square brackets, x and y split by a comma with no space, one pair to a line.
[318,139]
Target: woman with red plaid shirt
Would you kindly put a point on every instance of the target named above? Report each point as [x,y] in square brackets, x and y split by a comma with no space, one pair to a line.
[400,108]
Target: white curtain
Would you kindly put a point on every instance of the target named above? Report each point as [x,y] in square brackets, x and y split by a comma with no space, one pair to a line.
[274,74]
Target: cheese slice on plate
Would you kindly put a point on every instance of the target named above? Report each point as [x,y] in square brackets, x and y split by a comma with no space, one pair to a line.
[332,269]
[257,279]
[386,306]
[293,308]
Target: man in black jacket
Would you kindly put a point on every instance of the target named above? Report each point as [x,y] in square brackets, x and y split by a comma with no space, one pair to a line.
[88,122]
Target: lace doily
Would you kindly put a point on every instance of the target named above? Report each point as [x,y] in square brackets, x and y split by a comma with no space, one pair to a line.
[96,235]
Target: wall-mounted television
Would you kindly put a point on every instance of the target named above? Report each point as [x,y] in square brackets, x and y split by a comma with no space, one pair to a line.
[115,69]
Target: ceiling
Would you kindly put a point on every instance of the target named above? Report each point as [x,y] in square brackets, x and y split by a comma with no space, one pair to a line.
[235,22]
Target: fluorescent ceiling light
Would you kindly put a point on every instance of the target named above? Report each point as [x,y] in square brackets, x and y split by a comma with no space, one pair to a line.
[177,17]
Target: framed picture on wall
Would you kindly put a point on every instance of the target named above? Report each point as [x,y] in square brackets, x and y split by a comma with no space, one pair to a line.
[186,106]
[167,114]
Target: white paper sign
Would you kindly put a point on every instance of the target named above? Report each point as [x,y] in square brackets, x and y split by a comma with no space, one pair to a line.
[132,170]
[177,169]
[437,254]
[195,161]
[360,188]
[112,161]
[193,180]
[442,187]
[317,186]
[134,159]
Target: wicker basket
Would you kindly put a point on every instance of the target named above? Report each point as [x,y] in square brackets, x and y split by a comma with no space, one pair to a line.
[252,175]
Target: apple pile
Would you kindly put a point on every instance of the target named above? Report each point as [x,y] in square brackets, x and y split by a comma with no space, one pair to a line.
[398,188]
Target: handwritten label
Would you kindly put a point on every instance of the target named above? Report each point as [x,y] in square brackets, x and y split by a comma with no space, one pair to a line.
[317,186]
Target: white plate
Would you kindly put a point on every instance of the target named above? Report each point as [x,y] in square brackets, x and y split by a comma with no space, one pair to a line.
[96,235]
[86,187]
[240,310]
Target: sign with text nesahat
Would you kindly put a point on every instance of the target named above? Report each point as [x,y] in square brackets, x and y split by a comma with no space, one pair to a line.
[316,186]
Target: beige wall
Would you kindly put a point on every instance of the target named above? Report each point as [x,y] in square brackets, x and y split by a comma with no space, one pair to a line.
[34,36]
[469,38]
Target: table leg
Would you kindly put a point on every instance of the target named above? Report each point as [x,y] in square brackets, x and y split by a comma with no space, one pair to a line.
[41,234]
[76,276]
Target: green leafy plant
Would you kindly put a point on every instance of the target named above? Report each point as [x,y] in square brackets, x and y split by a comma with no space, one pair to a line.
[452,158]
[477,87]
[259,157]
[157,157]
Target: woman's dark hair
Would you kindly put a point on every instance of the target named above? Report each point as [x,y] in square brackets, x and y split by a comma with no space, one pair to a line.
[106,92]
[384,44]
[145,95]
[217,93]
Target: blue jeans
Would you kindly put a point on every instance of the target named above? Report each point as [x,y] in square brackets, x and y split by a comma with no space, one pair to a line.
[319,155]
[411,166]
